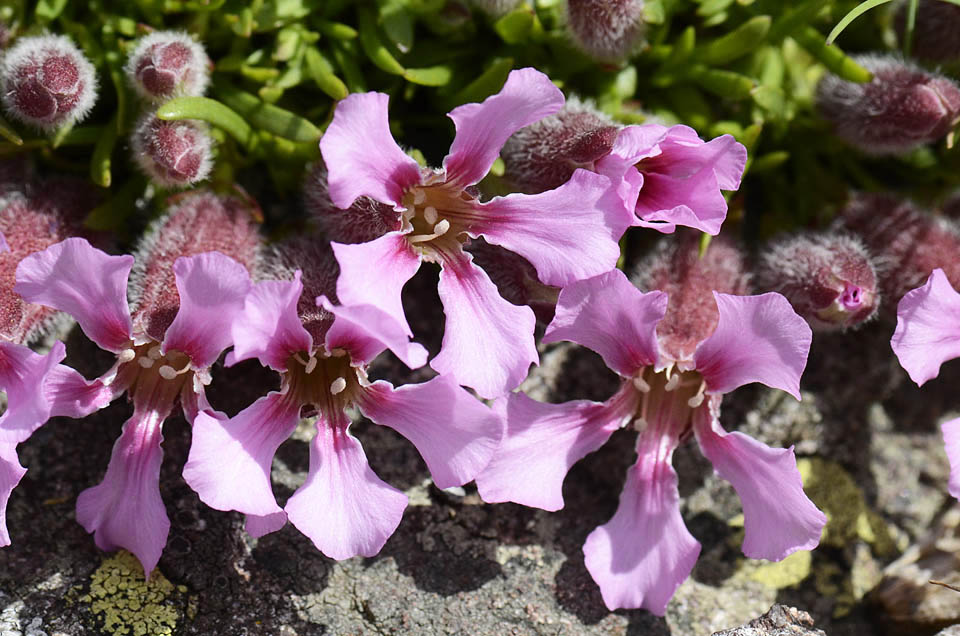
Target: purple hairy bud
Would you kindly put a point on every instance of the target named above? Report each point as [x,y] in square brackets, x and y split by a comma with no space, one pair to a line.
[544,155]
[47,82]
[168,64]
[515,278]
[828,278]
[199,221]
[675,267]
[172,153]
[935,31]
[907,244]
[903,106]
[363,221]
[606,30]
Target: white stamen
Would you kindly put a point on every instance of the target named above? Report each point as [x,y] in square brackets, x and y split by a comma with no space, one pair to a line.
[167,372]
[338,385]
[127,355]
[639,424]
[695,401]
[336,353]
[672,383]
[430,214]
[419,196]
[311,365]
[441,228]
[641,384]
[146,363]
[155,353]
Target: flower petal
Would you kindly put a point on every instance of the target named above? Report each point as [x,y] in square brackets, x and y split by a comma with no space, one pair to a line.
[343,507]
[543,441]
[951,440]
[72,395]
[567,234]
[365,331]
[361,155]
[24,375]
[212,289]
[779,518]
[269,326]
[125,509]
[374,273]
[454,432]
[482,129]
[609,315]
[230,459]
[257,526]
[88,284]
[758,339]
[641,556]
[11,472]
[487,342]
[928,328]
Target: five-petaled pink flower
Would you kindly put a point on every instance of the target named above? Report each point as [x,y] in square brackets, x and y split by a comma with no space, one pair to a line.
[322,355]
[927,335]
[567,234]
[644,552]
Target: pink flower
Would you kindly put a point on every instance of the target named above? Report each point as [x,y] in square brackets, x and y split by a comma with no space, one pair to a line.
[927,335]
[644,552]
[343,507]
[567,234]
[186,298]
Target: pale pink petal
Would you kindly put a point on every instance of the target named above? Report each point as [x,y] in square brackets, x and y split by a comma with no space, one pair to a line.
[779,518]
[11,472]
[666,202]
[212,289]
[361,156]
[608,314]
[482,129]
[454,432]
[685,155]
[635,143]
[343,507]
[72,395]
[567,234]
[23,376]
[125,509]
[641,556]
[258,526]
[88,284]
[364,331]
[543,441]
[374,273]
[487,342]
[928,328]
[951,440]
[193,398]
[269,327]
[230,459]
[758,339]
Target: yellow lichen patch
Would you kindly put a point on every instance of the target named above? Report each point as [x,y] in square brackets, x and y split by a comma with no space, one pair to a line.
[127,605]
[778,575]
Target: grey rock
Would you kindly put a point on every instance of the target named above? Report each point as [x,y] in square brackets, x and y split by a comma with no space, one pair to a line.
[781,620]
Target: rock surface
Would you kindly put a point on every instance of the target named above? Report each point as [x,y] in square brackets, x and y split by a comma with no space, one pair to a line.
[779,621]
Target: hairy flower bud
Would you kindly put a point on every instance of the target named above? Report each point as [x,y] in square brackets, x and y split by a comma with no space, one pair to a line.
[168,64]
[172,153]
[606,30]
[544,155]
[903,106]
[828,278]
[934,32]
[47,82]
[363,221]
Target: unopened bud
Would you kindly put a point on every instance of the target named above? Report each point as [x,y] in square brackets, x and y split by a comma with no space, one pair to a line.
[606,30]
[515,278]
[934,32]
[545,154]
[828,278]
[47,82]
[168,64]
[903,106]
[319,270]
[363,221]
[172,153]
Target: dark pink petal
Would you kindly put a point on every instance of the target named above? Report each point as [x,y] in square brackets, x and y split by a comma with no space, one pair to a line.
[758,339]
[928,328]
[229,461]
[88,284]
[543,441]
[364,331]
[374,273]
[608,314]
[454,432]
[257,526]
[641,556]
[487,342]
[23,376]
[4,247]
[779,518]
[125,509]
[11,472]
[361,156]
[567,234]
[193,398]
[269,326]
[951,440]
[72,395]
[343,507]
[482,129]
[212,289]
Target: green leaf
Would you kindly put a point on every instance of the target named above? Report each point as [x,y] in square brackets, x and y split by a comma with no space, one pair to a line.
[515,27]
[321,71]
[794,18]
[8,133]
[832,57]
[101,159]
[273,119]
[337,30]
[488,83]
[212,112]
[722,83]
[398,26]
[430,76]
[712,7]
[769,161]
[374,47]
[742,40]
[855,13]
[49,10]
[655,13]
[343,53]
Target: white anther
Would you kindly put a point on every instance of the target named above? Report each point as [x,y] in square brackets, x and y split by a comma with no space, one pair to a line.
[639,424]
[167,372]
[338,385]
[155,352]
[430,214]
[126,355]
[441,228]
[338,352]
[146,363]
[419,196]
[641,384]
[695,401]
[311,365]
[672,383]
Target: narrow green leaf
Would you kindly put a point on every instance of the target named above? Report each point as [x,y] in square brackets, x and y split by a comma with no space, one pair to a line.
[430,76]
[769,161]
[60,134]
[713,7]
[374,47]
[212,112]
[832,57]
[112,213]
[488,83]
[337,30]
[794,18]
[742,40]
[704,244]
[321,71]
[722,83]
[273,119]
[854,13]
[515,27]
[398,26]
[8,133]
[912,7]
[344,54]
[101,159]
[49,10]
